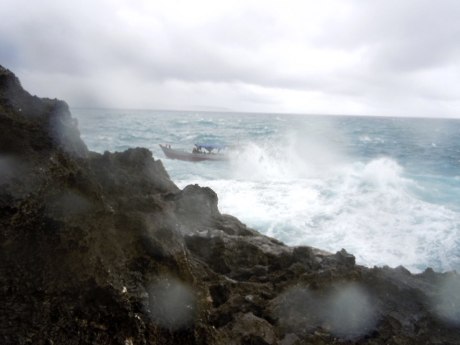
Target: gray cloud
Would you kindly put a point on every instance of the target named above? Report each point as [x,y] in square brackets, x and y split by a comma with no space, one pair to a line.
[406,35]
[380,57]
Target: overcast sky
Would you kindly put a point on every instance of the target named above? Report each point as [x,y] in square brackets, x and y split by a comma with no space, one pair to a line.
[376,57]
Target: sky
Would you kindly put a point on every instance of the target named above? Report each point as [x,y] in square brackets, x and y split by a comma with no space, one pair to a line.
[356,57]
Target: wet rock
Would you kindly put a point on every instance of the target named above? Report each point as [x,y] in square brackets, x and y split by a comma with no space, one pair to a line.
[290,339]
[197,206]
[106,249]
[250,329]
[35,124]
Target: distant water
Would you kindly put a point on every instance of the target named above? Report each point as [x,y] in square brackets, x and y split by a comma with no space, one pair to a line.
[386,189]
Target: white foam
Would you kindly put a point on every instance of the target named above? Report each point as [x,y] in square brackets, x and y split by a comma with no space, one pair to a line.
[373,140]
[368,208]
[292,157]
[297,183]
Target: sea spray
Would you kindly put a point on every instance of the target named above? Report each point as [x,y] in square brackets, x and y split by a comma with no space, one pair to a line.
[369,209]
[376,186]
[347,310]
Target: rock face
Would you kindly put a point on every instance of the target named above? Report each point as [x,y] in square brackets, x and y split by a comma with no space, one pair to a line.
[106,249]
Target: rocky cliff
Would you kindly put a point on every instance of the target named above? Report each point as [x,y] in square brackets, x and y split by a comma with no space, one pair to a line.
[106,249]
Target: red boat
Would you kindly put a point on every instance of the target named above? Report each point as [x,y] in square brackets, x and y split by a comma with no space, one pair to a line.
[201,152]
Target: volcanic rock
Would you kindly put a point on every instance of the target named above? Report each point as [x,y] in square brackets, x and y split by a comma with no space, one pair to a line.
[106,249]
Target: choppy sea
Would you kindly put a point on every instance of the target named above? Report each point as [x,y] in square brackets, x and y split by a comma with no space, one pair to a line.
[385,189]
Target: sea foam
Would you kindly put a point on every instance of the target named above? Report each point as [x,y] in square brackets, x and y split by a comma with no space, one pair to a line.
[375,186]
[370,209]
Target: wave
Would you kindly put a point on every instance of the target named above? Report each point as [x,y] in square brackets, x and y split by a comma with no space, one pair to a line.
[370,208]
[290,157]
[377,187]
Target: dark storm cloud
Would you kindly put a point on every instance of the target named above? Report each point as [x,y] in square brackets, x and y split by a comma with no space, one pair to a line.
[335,56]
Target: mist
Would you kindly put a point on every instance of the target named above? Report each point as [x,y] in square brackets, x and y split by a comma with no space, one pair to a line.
[349,311]
[172,303]
[346,310]
[311,151]
[447,302]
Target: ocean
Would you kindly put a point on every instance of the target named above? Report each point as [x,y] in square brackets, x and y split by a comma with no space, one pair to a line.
[385,189]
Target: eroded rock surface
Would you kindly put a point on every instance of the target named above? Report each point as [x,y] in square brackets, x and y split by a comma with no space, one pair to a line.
[106,249]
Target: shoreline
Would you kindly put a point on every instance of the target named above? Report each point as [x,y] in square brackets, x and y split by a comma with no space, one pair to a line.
[105,248]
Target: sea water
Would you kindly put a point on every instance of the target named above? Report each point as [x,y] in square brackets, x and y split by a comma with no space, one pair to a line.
[385,189]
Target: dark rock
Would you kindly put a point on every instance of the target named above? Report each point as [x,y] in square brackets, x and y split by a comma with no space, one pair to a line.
[35,125]
[106,249]
[197,206]
[290,339]
[250,329]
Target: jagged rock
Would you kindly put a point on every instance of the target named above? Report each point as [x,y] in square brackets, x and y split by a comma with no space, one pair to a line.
[32,125]
[106,249]
[250,329]
[197,206]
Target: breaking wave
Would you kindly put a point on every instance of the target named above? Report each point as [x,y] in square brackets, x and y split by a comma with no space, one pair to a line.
[385,189]
[370,208]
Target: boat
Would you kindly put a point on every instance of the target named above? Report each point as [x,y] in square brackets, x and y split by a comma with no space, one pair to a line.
[201,152]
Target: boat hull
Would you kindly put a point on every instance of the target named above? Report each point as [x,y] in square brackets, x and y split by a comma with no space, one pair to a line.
[192,157]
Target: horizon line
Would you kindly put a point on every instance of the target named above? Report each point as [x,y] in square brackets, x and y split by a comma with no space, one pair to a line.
[270,113]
